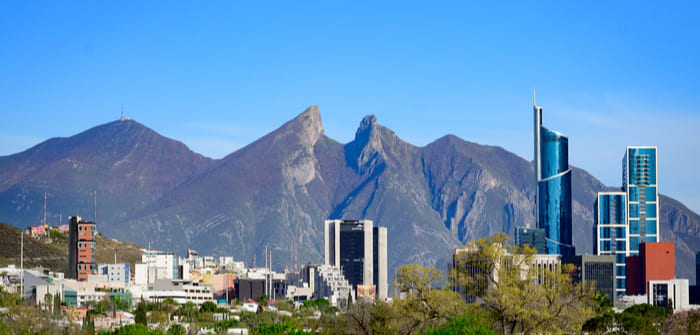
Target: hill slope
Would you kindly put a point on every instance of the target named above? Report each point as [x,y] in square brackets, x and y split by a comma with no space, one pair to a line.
[276,192]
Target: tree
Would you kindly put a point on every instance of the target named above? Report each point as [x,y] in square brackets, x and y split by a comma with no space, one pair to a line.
[520,296]
[88,324]
[57,304]
[208,306]
[177,329]
[48,298]
[472,322]
[683,322]
[140,316]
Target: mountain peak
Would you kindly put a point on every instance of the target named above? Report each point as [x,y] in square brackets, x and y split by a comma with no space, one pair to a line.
[309,125]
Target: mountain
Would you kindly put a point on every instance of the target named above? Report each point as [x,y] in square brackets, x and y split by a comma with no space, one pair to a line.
[126,164]
[276,192]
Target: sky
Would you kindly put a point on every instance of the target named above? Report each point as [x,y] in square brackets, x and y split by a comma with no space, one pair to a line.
[219,75]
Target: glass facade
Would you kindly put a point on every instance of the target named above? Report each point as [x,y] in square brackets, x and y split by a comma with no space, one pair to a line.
[610,237]
[554,192]
[623,220]
[639,182]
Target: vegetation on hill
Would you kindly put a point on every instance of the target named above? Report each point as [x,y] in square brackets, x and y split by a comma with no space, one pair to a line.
[54,255]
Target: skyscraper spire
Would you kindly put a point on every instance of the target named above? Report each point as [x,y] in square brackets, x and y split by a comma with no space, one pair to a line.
[534,100]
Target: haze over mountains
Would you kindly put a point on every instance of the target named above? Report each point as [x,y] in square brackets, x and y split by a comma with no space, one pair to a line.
[277,191]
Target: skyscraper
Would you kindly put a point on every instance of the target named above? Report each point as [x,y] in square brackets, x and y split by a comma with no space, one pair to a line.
[639,182]
[360,251]
[610,232]
[623,220]
[553,197]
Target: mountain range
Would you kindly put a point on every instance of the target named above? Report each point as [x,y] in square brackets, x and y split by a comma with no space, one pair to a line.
[276,192]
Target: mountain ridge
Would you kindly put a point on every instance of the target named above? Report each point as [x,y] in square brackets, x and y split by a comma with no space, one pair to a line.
[276,191]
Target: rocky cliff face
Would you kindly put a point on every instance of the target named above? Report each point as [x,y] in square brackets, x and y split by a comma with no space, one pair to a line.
[276,192]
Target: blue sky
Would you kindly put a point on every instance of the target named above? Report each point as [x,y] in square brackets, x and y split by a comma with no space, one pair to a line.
[219,75]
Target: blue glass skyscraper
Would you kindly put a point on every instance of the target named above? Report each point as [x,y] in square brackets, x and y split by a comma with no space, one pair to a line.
[610,232]
[639,182]
[623,220]
[553,197]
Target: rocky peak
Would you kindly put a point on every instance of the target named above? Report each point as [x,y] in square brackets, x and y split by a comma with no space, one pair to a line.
[308,126]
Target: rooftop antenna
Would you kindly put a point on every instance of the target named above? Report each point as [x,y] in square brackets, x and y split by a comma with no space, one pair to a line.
[95,207]
[534,97]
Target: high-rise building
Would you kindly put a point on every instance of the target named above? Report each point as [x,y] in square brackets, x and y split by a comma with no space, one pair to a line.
[553,197]
[624,220]
[81,249]
[610,232]
[359,249]
[533,237]
[639,182]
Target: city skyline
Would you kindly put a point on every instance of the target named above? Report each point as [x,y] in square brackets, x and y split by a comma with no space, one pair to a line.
[218,76]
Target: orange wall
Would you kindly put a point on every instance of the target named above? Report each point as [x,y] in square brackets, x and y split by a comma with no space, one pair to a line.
[659,261]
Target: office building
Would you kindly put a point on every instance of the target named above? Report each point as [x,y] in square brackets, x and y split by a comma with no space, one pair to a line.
[115,273]
[656,261]
[553,191]
[639,182]
[81,249]
[531,236]
[598,269]
[359,249]
[610,232]
[661,292]
[163,264]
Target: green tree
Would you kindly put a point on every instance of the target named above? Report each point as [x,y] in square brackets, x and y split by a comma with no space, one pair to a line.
[519,295]
[48,299]
[88,324]
[208,306]
[140,316]
[177,329]
[57,305]
[641,319]
[472,322]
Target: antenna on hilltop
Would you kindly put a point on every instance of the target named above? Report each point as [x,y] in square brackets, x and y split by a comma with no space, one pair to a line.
[122,118]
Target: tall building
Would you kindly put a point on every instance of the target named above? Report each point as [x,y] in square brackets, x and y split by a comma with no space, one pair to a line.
[81,249]
[533,237]
[359,249]
[553,197]
[639,182]
[610,232]
[624,220]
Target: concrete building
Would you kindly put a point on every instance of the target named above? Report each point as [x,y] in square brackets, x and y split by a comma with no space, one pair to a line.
[328,282]
[167,261]
[224,285]
[181,291]
[656,261]
[663,292]
[81,249]
[360,251]
[553,192]
[116,273]
[599,269]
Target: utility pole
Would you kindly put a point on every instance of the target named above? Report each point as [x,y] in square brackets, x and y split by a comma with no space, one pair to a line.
[21,263]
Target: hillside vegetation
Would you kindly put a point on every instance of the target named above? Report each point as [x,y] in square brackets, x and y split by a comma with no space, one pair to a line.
[54,255]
